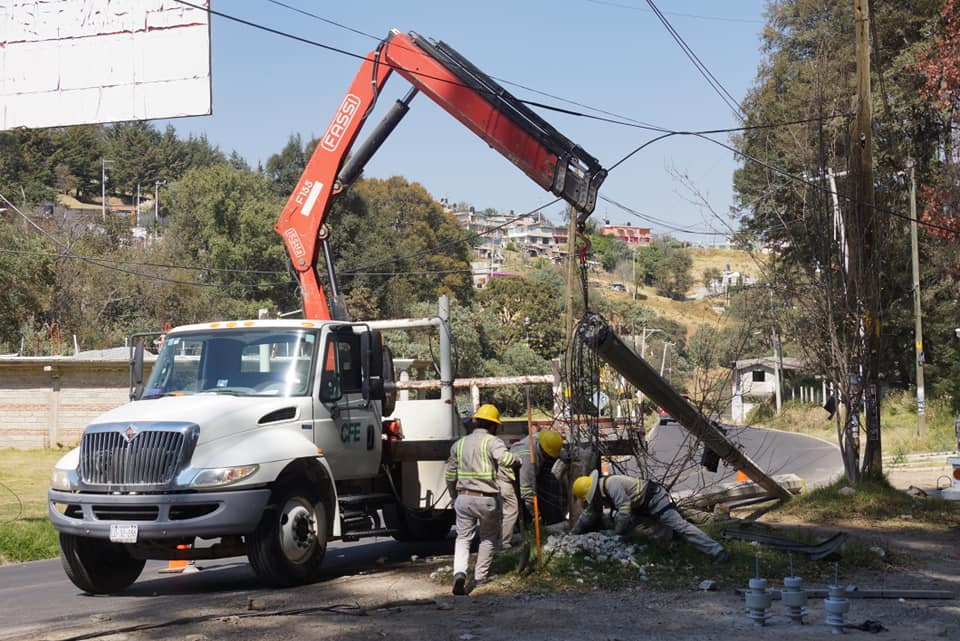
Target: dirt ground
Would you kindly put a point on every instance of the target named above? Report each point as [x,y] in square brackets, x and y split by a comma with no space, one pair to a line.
[404,603]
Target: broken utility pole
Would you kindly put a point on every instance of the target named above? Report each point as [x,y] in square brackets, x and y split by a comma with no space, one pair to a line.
[598,335]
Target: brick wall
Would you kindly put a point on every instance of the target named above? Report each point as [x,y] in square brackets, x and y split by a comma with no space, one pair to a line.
[45,402]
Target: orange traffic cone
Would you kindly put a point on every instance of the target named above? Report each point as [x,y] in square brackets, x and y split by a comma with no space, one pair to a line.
[176,566]
[741,476]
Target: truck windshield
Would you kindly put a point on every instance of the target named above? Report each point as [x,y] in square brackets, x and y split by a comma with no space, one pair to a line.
[242,362]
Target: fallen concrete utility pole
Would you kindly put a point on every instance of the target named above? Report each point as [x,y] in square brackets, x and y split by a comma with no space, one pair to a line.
[597,334]
[737,493]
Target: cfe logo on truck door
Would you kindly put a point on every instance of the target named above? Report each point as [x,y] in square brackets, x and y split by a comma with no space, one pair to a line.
[350,433]
[341,120]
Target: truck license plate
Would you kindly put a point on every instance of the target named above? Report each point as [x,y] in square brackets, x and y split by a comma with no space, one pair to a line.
[123,533]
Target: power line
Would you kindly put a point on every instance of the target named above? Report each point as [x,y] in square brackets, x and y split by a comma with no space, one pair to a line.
[715,84]
[660,222]
[695,16]
[96,261]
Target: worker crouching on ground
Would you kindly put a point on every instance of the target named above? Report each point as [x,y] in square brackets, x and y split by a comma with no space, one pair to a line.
[471,474]
[637,501]
[547,445]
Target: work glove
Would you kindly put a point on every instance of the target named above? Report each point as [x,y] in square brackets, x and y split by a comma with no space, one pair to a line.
[559,469]
[586,523]
[622,523]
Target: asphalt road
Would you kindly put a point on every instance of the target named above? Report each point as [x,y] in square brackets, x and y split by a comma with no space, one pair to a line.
[38,596]
[816,461]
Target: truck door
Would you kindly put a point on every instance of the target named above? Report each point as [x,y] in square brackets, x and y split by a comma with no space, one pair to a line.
[350,438]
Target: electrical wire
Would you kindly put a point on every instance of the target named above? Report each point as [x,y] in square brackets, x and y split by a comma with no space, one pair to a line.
[661,223]
[715,84]
[95,261]
[620,5]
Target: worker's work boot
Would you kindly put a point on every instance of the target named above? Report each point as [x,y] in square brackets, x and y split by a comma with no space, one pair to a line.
[459,583]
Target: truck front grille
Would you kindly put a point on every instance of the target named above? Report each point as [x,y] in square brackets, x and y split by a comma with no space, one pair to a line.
[128,458]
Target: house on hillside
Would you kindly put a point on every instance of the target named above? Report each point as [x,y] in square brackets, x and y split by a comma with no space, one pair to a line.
[755,381]
[633,236]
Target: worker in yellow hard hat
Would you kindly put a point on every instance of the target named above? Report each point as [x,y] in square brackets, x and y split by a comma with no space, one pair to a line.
[637,501]
[547,445]
[471,475]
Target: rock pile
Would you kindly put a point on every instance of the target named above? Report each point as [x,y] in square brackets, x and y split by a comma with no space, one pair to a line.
[600,546]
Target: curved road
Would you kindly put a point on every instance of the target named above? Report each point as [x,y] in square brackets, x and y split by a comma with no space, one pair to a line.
[816,461]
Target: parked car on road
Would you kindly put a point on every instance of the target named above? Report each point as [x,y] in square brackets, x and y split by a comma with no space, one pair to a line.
[665,416]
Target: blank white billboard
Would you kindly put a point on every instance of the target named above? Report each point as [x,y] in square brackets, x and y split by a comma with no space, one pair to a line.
[71,62]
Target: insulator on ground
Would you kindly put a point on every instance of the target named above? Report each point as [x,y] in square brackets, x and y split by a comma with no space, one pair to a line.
[836,605]
[794,597]
[758,600]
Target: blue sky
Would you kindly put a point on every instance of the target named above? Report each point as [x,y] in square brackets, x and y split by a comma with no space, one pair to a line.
[610,55]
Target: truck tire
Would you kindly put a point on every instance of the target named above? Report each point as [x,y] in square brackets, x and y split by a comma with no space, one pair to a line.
[98,566]
[288,545]
[419,524]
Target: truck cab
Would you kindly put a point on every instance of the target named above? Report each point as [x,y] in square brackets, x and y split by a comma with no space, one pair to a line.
[247,435]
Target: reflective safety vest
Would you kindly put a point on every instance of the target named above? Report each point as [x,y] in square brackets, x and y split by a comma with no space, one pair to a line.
[474,461]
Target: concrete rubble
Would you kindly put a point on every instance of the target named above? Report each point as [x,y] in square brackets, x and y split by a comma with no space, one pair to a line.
[600,546]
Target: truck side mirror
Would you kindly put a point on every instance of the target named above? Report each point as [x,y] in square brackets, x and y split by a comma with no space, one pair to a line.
[378,378]
[136,367]
[371,350]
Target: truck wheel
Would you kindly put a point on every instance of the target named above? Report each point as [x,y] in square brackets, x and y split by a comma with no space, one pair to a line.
[288,545]
[98,566]
[418,525]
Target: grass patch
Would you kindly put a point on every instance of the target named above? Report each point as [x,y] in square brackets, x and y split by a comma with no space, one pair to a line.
[874,501]
[25,530]
[677,565]
[898,424]
[27,540]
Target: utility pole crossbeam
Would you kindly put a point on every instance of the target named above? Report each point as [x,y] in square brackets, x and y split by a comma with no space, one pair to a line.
[598,335]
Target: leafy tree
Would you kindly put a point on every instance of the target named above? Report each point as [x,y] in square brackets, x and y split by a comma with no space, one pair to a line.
[134,148]
[610,250]
[673,275]
[27,165]
[284,169]
[939,62]
[392,238]
[81,149]
[711,276]
[800,132]
[525,311]
[26,280]
[222,221]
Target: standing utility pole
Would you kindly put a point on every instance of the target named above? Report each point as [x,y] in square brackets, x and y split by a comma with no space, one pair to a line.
[868,271]
[777,357]
[917,314]
[156,200]
[571,270]
[103,188]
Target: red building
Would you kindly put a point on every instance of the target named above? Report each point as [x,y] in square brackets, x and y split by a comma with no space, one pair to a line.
[632,236]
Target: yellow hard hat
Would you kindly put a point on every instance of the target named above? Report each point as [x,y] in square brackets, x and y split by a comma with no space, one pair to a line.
[550,442]
[585,486]
[488,413]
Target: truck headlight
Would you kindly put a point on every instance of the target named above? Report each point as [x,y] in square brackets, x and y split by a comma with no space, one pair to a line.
[218,476]
[63,479]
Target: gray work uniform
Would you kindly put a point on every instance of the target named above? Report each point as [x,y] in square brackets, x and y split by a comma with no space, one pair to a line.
[528,483]
[471,475]
[639,501]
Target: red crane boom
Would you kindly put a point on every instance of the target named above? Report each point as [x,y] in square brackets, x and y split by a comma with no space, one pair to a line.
[483,106]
